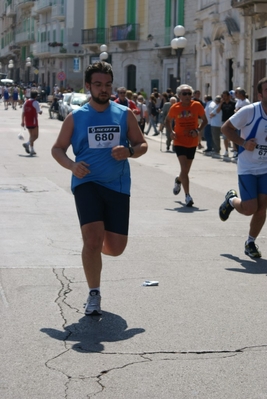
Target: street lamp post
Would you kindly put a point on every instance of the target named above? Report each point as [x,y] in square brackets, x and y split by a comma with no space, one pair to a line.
[104,54]
[28,66]
[11,66]
[178,44]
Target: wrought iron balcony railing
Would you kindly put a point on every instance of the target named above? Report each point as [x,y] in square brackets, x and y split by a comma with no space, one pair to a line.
[95,36]
[126,32]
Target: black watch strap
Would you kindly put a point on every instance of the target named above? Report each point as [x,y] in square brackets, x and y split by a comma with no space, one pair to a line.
[131,151]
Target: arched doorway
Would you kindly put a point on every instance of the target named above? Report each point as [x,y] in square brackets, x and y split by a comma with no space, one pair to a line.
[131,77]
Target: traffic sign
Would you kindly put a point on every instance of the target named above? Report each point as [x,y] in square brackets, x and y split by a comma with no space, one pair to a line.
[61,75]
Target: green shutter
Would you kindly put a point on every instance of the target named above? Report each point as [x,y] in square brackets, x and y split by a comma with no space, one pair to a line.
[168,4]
[131,11]
[168,36]
[180,10]
[101,13]
[101,21]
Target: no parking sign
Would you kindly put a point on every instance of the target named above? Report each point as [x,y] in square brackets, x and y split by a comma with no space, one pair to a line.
[61,75]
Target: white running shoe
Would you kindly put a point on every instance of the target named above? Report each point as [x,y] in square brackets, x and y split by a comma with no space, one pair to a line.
[189,200]
[226,154]
[177,186]
[27,147]
[92,306]
[32,152]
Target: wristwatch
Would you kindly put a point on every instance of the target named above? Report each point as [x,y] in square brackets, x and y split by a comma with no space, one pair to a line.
[131,151]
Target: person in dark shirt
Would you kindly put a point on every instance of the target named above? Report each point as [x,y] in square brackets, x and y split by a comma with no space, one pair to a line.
[54,107]
[228,109]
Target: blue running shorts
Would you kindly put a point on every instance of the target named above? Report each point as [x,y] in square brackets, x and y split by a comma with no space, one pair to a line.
[250,186]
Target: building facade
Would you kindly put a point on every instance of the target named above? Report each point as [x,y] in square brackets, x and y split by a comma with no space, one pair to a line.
[43,40]
[138,35]
[231,45]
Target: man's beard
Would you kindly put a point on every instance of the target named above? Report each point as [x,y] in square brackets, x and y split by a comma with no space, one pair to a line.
[98,101]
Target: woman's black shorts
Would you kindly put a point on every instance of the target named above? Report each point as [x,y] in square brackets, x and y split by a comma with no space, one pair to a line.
[188,152]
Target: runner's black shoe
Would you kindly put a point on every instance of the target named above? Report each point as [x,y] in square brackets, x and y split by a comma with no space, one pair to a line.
[251,249]
[226,208]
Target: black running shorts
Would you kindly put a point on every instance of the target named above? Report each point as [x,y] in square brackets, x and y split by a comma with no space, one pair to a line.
[96,203]
[188,152]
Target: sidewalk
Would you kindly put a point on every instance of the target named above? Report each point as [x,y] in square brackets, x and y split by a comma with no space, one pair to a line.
[161,138]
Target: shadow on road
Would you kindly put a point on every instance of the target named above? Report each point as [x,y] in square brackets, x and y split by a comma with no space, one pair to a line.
[255,266]
[90,332]
[186,209]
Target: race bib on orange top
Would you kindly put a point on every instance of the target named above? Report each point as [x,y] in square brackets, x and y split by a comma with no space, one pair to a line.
[186,119]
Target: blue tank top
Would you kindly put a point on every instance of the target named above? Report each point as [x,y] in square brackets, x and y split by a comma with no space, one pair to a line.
[94,135]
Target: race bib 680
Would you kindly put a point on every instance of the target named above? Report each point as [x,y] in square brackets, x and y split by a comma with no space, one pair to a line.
[104,136]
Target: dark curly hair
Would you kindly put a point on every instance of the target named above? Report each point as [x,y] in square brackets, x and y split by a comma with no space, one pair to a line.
[97,67]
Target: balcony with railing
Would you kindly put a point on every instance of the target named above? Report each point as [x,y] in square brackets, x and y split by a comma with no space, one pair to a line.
[57,49]
[124,33]
[58,12]
[25,3]
[5,51]
[95,36]
[43,5]
[10,10]
[24,37]
[40,49]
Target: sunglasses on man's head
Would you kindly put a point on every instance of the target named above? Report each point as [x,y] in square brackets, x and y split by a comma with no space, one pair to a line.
[186,93]
[122,92]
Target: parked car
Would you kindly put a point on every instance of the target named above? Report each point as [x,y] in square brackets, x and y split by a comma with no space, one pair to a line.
[75,101]
[62,106]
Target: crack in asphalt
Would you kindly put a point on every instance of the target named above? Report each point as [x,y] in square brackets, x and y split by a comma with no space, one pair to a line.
[60,300]
[146,356]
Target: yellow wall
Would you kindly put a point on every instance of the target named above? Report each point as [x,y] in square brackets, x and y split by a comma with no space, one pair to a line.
[116,14]
[121,12]
[111,9]
[90,14]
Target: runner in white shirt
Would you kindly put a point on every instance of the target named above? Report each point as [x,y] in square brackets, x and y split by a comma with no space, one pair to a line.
[252,166]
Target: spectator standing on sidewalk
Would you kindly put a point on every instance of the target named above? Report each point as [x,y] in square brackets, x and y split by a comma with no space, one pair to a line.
[143,116]
[29,118]
[186,115]
[227,106]
[123,100]
[207,130]
[152,114]
[252,166]
[241,101]
[215,124]
[103,135]
[165,111]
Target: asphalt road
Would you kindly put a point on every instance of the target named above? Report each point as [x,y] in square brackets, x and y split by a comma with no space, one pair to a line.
[201,333]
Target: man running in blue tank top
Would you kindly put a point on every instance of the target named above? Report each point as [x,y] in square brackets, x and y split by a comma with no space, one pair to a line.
[103,136]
